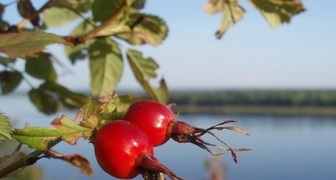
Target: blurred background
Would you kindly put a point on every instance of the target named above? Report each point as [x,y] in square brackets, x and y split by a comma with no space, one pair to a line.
[278,83]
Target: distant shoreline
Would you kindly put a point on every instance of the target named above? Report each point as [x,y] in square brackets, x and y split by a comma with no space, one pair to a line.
[256,110]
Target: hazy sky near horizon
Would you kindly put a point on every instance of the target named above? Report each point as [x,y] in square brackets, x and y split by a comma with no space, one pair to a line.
[251,54]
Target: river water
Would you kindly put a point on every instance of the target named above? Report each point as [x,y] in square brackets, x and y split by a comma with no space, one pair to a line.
[283,147]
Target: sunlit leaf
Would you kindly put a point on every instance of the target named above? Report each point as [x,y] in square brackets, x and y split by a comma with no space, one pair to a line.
[5,128]
[231,11]
[9,80]
[278,12]
[144,28]
[106,66]
[35,137]
[74,159]
[43,101]
[41,67]
[38,137]
[58,16]
[27,43]
[144,70]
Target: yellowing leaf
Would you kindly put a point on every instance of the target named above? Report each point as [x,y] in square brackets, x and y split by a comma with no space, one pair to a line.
[106,66]
[237,129]
[144,71]
[278,12]
[231,10]
[5,128]
[74,159]
[27,44]
[144,28]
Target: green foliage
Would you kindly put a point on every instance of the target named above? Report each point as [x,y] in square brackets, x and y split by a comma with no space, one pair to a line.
[50,96]
[104,24]
[9,80]
[144,29]
[231,10]
[41,67]
[144,71]
[278,12]
[275,12]
[5,128]
[27,44]
[58,16]
[106,66]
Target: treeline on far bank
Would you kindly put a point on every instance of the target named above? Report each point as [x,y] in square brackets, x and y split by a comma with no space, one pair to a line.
[288,98]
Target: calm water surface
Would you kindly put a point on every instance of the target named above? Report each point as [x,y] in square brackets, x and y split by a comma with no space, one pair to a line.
[284,147]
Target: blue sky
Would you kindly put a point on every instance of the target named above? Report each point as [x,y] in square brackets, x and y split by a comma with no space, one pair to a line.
[251,54]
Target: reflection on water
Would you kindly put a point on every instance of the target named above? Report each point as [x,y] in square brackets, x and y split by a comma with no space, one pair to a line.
[283,147]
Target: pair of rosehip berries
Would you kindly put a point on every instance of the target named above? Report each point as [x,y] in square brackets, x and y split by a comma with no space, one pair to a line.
[124,148]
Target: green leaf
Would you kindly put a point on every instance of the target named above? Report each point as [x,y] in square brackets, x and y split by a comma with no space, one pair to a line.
[38,137]
[5,128]
[231,10]
[35,137]
[58,16]
[9,80]
[102,10]
[106,66]
[144,28]
[43,101]
[27,44]
[41,67]
[68,98]
[278,12]
[75,5]
[144,71]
